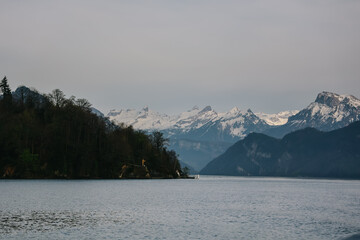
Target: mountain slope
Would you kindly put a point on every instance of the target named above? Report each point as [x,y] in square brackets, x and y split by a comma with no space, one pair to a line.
[197,135]
[195,124]
[197,153]
[276,119]
[306,153]
[214,131]
[329,111]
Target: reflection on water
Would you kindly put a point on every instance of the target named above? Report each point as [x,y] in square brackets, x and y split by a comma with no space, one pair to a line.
[209,208]
[45,220]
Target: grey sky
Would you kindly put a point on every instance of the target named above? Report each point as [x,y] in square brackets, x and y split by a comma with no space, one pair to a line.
[264,55]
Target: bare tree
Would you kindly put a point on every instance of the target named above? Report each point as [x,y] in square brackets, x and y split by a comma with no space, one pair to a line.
[83,103]
[57,98]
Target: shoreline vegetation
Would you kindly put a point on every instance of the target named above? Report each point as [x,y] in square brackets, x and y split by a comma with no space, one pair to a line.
[49,136]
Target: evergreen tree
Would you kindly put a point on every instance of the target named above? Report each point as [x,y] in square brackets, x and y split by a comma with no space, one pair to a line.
[51,136]
[6,91]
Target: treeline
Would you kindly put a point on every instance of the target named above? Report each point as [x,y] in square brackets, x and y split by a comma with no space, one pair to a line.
[51,136]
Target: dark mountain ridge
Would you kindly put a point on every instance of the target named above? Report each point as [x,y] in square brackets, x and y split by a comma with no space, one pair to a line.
[200,135]
[303,153]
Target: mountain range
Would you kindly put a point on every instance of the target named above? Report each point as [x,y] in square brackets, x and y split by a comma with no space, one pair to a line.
[303,153]
[200,135]
[199,124]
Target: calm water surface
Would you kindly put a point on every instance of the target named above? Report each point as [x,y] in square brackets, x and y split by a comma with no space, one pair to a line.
[209,208]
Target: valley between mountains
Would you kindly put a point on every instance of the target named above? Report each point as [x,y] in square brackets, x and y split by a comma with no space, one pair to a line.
[202,134]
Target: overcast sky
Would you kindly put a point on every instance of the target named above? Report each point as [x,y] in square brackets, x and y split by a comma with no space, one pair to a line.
[171,55]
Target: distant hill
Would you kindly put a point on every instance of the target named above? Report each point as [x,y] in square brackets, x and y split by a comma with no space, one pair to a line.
[198,153]
[303,153]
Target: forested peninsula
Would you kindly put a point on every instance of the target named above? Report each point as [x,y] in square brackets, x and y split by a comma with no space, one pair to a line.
[51,136]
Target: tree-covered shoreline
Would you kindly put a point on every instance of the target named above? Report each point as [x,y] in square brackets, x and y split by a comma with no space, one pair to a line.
[51,136]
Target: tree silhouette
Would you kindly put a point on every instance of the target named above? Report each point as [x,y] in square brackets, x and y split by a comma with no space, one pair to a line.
[6,91]
[83,103]
[51,136]
[159,140]
[57,97]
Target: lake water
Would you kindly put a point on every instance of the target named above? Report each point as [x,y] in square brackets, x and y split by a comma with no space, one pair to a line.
[209,208]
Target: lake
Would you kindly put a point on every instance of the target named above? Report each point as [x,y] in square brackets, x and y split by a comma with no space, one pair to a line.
[208,208]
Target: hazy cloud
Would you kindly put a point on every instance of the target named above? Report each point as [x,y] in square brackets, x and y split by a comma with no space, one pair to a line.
[171,55]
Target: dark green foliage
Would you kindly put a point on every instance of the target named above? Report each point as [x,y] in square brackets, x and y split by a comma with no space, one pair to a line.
[6,91]
[5,88]
[304,153]
[50,136]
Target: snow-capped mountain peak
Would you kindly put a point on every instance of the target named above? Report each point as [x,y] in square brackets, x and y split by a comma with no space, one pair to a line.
[277,119]
[145,108]
[332,100]
[332,107]
[234,123]
[329,99]
[194,108]
[200,134]
[328,112]
[235,111]
[144,119]
[205,110]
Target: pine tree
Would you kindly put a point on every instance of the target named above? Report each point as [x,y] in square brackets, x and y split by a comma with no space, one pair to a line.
[5,89]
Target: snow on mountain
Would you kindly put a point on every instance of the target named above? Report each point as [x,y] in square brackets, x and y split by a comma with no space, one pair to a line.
[234,123]
[240,123]
[200,134]
[144,119]
[194,118]
[276,119]
[97,112]
[329,111]
[197,135]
